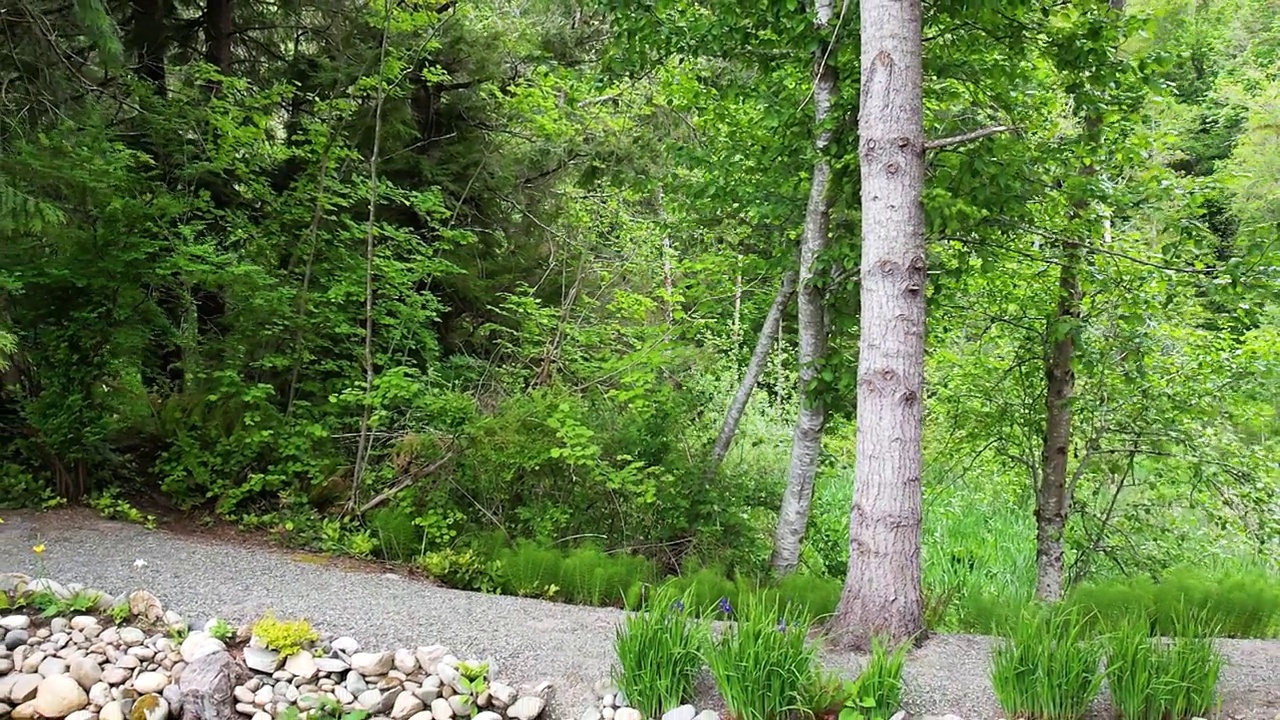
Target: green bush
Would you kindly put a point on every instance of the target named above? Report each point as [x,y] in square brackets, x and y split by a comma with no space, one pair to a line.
[1158,679]
[659,653]
[1048,668]
[763,664]
[399,538]
[876,694]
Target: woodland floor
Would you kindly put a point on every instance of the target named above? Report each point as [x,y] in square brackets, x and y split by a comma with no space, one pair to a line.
[203,571]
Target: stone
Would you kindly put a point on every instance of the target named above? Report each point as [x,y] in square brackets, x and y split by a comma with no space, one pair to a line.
[25,711]
[332,665]
[173,695]
[86,672]
[15,622]
[261,659]
[150,683]
[264,695]
[607,713]
[199,644]
[627,713]
[99,694]
[449,675]
[406,705]
[116,675]
[427,694]
[440,709]
[50,586]
[604,687]
[902,715]
[23,688]
[59,696]
[262,715]
[429,657]
[608,700]
[129,661]
[370,699]
[405,661]
[345,645]
[111,711]
[620,699]
[488,715]
[308,701]
[52,666]
[83,622]
[15,639]
[503,695]
[14,583]
[372,663]
[526,708]
[242,694]
[302,664]
[149,707]
[424,715]
[59,625]
[6,666]
[343,695]
[207,687]
[143,604]
[708,715]
[81,715]
[590,715]
[132,636]
[461,705]
[684,712]
[246,710]
[355,683]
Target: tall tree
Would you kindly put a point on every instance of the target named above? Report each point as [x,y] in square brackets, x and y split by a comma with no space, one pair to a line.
[806,443]
[882,595]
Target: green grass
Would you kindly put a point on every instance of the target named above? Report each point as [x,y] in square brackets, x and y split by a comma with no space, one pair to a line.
[763,664]
[1163,679]
[1049,666]
[659,653]
[876,694]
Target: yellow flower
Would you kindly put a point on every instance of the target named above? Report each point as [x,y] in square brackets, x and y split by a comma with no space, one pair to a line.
[37,549]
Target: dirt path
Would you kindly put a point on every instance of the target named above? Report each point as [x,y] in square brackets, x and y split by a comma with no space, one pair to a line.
[530,640]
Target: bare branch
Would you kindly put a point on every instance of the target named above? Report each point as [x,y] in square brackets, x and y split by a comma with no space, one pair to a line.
[967,137]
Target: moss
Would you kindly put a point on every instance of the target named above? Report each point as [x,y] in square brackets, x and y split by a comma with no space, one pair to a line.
[147,707]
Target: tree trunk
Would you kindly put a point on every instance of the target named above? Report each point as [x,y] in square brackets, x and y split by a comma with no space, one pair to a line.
[1052,499]
[806,442]
[149,41]
[881,596]
[768,333]
[218,29]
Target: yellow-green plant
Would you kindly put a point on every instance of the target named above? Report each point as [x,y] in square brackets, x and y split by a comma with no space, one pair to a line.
[284,636]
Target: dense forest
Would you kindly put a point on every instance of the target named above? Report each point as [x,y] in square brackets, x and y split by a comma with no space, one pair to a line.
[486,284]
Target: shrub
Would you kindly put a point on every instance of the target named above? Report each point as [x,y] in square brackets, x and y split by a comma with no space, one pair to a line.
[399,539]
[284,636]
[763,664]
[658,653]
[590,576]
[1048,667]
[876,694]
[1155,679]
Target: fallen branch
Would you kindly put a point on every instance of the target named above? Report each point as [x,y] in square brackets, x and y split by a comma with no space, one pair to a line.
[409,480]
[967,137]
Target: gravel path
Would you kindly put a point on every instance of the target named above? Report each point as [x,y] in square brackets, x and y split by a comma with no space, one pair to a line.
[530,640]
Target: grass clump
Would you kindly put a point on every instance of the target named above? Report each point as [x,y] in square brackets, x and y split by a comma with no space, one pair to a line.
[659,653]
[763,665]
[1048,667]
[284,636]
[1163,679]
[876,694]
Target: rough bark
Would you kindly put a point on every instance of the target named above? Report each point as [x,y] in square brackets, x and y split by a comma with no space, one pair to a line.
[881,596]
[1053,502]
[218,29]
[149,41]
[806,442]
[755,368]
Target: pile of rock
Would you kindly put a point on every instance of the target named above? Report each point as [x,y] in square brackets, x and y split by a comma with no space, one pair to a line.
[613,706]
[87,668]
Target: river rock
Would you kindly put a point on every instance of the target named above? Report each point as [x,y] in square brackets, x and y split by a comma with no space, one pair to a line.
[111,711]
[332,665]
[14,639]
[15,622]
[199,644]
[207,687]
[503,695]
[132,636]
[527,708]
[149,683]
[116,675]
[86,672]
[149,707]
[627,713]
[684,712]
[262,659]
[372,663]
[23,687]
[59,696]
[440,709]
[51,666]
[406,704]
[302,664]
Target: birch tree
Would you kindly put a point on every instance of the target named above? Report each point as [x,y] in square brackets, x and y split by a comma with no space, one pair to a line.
[882,594]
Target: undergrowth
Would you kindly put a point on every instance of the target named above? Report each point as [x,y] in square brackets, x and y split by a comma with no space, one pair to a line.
[659,653]
[1049,665]
[1173,678]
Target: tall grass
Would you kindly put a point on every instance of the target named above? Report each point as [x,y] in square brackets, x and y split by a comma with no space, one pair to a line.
[763,664]
[877,691]
[1049,666]
[659,653]
[1159,679]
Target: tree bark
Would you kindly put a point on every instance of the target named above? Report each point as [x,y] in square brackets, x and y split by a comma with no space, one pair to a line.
[1052,499]
[755,368]
[149,41]
[806,442]
[218,29]
[881,596]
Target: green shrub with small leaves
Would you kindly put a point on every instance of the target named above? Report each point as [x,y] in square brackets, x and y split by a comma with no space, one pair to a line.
[284,636]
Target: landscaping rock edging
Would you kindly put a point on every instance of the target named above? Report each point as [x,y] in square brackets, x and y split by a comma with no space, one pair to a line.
[155,668]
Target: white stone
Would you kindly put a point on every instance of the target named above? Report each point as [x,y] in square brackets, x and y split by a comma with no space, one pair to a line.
[405,662]
[261,659]
[116,675]
[86,672]
[372,663]
[488,715]
[59,696]
[526,708]
[503,695]
[449,675]
[82,622]
[81,715]
[148,683]
[263,696]
[369,699]
[99,694]
[627,713]
[152,707]
[46,585]
[684,712]
[607,713]
[199,644]
[429,656]
[440,709]
[52,666]
[24,687]
[406,705]
[345,645]
[461,705]
[590,715]
[708,715]
[15,622]
[332,665]
[302,664]
[111,711]
[129,661]
[132,636]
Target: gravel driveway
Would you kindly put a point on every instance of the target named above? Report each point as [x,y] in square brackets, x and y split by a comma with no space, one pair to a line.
[530,640]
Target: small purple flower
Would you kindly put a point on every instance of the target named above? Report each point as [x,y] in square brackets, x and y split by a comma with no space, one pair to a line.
[782,625]
[725,607]
[678,605]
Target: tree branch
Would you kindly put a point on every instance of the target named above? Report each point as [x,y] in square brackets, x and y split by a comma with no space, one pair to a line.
[967,137]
